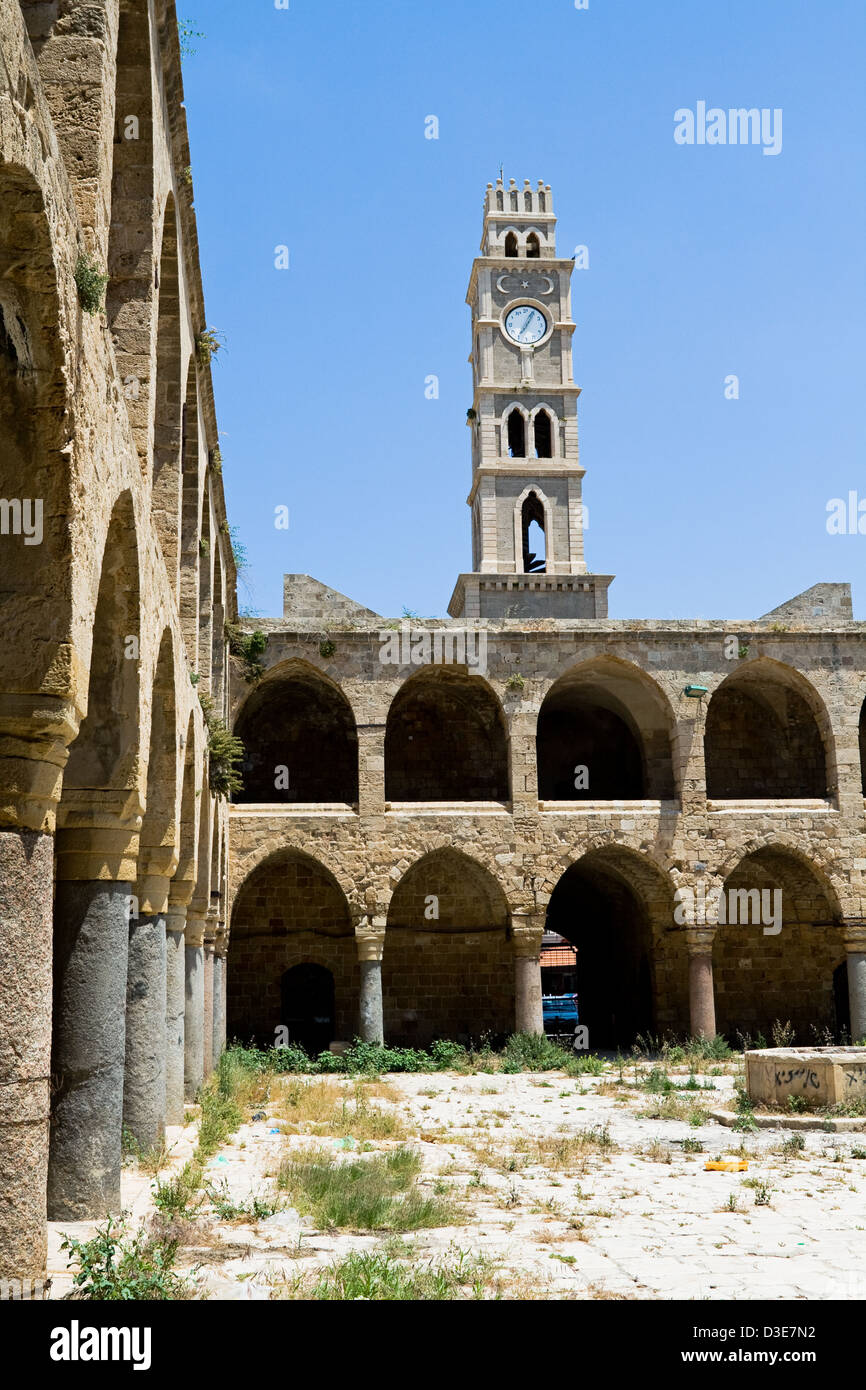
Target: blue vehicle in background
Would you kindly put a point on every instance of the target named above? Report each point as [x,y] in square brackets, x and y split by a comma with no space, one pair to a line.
[560,1014]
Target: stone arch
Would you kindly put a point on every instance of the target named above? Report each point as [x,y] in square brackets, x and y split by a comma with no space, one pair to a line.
[131,250]
[35,503]
[512,247]
[616,906]
[533,504]
[289,911]
[218,621]
[533,246]
[105,754]
[193,757]
[445,739]
[768,736]
[96,866]
[545,432]
[159,829]
[447,970]
[205,541]
[190,513]
[770,968]
[301,740]
[608,717]
[167,405]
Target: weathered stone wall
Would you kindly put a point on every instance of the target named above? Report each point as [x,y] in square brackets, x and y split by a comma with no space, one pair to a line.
[102,736]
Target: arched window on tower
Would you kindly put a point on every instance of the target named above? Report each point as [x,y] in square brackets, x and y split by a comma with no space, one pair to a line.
[500,202]
[527,202]
[543,430]
[533,247]
[516,435]
[511,244]
[534,544]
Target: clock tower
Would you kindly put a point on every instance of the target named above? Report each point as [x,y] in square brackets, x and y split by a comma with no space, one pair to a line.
[526,498]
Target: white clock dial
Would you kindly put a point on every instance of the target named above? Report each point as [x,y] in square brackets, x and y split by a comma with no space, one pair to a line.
[526,325]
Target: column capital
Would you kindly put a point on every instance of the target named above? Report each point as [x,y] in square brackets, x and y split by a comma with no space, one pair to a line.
[699,940]
[194,933]
[854,935]
[98,834]
[370,939]
[35,734]
[527,931]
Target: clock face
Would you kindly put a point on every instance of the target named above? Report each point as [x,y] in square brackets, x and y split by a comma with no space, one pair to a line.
[526,325]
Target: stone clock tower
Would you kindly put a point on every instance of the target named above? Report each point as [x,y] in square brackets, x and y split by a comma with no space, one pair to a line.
[527,508]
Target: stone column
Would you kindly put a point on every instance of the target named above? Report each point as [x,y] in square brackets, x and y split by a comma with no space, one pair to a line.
[208,1005]
[35,732]
[193,1018]
[526,934]
[144,1086]
[175,1002]
[370,939]
[855,951]
[702,998]
[26,892]
[219,1017]
[96,868]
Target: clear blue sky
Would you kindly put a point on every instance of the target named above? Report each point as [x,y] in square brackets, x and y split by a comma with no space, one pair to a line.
[307,129]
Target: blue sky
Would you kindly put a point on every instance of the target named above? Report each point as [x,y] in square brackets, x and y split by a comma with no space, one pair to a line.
[307,130]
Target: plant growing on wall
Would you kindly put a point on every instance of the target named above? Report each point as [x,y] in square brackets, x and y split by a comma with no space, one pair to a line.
[248,647]
[207,344]
[225,753]
[90,281]
[327,648]
[515,682]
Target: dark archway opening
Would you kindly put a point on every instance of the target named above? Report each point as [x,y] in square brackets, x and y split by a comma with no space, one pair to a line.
[446,740]
[587,752]
[293,961]
[516,435]
[604,918]
[511,248]
[534,537]
[762,741]
[301,742]
[308,1007]
[543,436]
[533,247]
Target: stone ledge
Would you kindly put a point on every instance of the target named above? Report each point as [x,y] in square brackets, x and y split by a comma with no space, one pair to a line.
[826,1124]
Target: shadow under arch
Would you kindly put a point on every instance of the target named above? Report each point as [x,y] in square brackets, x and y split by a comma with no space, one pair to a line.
[448,967]
[446,739]
[300,740]
[36,598]
[131,250]
[604,733]
[776,955]
[289,912]
[617,908]
[768,736]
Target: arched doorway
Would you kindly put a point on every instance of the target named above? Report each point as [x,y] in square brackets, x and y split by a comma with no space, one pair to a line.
[446,740]
[603,735]
[763,739]
[308,1009]
[775,957]
[301,743]
[448,967]
[631,978]
[291,934]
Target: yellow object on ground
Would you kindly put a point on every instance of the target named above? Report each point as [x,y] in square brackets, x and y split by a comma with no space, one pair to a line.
[727,1165]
